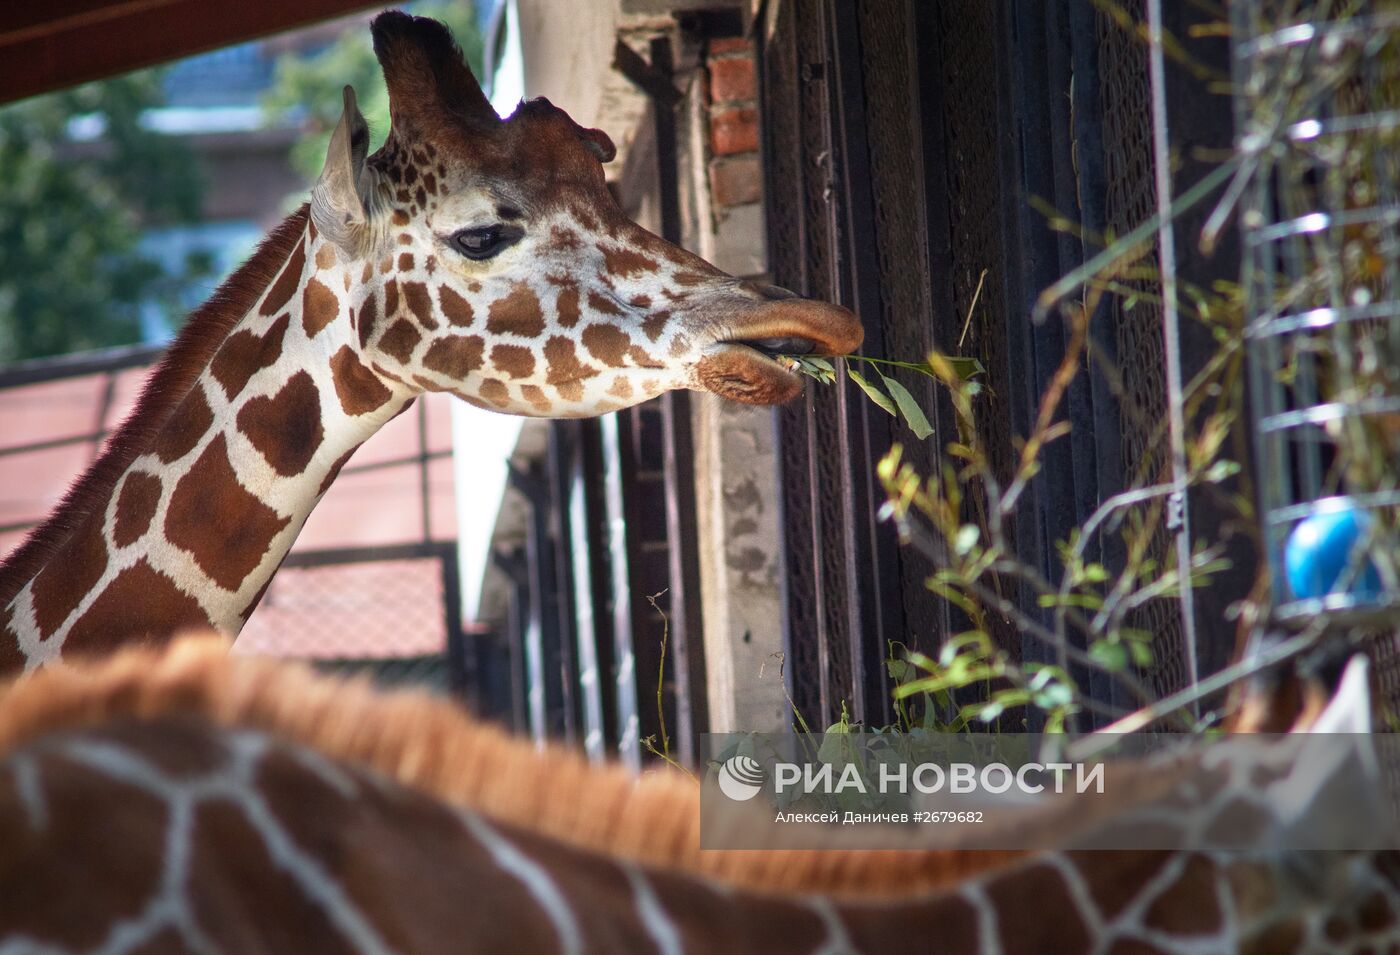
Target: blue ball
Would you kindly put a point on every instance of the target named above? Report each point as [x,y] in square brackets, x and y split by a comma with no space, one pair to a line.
[1320,549]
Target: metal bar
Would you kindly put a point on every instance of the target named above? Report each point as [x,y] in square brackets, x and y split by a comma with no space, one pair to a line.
[590,669]
[416,550]
[53,443]
[39,370]
[1178,518]
[464,671]
[104,406]
[625,660]
[394,462]
[422,458]
[686,626]
[512,565]
[557,475]
[686,637]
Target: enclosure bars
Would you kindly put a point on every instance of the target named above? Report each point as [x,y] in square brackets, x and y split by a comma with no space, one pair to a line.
[1178,517]
[1315,102]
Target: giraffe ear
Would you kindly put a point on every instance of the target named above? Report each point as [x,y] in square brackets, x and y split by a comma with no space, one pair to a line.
[338,200]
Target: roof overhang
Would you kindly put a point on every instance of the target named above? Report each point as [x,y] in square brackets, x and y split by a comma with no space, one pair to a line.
[61,43]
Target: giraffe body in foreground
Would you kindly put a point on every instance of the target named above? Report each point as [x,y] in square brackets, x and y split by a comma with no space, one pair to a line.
[470,255]
[146,804]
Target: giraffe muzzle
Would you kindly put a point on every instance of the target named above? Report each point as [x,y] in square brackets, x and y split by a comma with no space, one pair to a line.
[743,364]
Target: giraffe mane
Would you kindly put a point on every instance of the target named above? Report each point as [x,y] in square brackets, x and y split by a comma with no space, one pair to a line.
[434,746]
[188,355]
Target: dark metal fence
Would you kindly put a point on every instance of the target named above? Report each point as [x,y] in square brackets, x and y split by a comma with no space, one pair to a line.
[911,149]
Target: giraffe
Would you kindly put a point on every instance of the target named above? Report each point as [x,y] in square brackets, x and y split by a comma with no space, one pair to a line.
[470,255]
[179,799]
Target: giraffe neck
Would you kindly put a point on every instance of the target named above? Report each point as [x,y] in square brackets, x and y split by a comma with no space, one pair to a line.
[215,819]
[184,522]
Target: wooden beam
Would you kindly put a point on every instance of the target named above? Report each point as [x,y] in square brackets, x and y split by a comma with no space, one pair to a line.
[62,43]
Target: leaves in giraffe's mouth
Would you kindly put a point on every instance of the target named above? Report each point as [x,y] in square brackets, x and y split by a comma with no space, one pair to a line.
[819,369]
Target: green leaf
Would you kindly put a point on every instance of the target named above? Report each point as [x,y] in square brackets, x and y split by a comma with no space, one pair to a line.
[871,392]
[1113,656]
[965,368]
[1221,470]
[913,414]
[1142,653]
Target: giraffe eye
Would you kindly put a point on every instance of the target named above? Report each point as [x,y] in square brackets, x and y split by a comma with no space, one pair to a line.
[486,241]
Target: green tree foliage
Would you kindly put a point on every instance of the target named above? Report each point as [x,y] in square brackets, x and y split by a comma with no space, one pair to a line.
[71,215]
[307,88]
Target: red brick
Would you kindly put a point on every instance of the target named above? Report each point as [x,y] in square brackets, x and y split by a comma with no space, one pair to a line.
[732,81]
[722,46]
[736,181]
[733,129]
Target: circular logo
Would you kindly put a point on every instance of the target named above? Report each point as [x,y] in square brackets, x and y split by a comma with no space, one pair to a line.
[740,777]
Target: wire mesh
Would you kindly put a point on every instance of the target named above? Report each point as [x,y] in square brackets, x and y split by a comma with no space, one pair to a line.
[1317,118]
[365,610]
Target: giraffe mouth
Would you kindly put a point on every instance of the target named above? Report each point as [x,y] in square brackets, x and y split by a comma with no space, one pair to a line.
[749,372]
[749,363]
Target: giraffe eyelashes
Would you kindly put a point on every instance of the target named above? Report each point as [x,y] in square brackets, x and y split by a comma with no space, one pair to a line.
[486,242]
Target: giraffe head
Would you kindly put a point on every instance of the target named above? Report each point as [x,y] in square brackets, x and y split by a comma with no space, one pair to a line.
[487,258]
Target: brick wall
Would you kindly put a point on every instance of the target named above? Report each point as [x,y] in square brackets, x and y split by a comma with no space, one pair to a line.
[735,175]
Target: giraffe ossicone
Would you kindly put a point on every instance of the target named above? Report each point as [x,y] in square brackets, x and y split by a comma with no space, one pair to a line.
[470,254]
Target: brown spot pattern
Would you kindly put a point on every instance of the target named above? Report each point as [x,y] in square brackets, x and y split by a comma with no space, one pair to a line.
[287,282]
[334,472]
[1046,886]
[655,323]
[187,425]
[625,262]
[369,317]
[620,388]
[164,610]
[319,307]
[405,261]
[420,303]
[212,516]
[642,358]
[1190,905]
[391,298]
[564,239]
[536,396]
[244,354]
[607,343]
[325,257]
[513,360]
[11,659]
[602,304]
[455,356]
[136,505]
[564,370]
[567,306]
[224,842]
[66,579]
[400,340]
[495,391]
[286,428]
[518,313]
[457,309]
[116,878]
[359,391]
